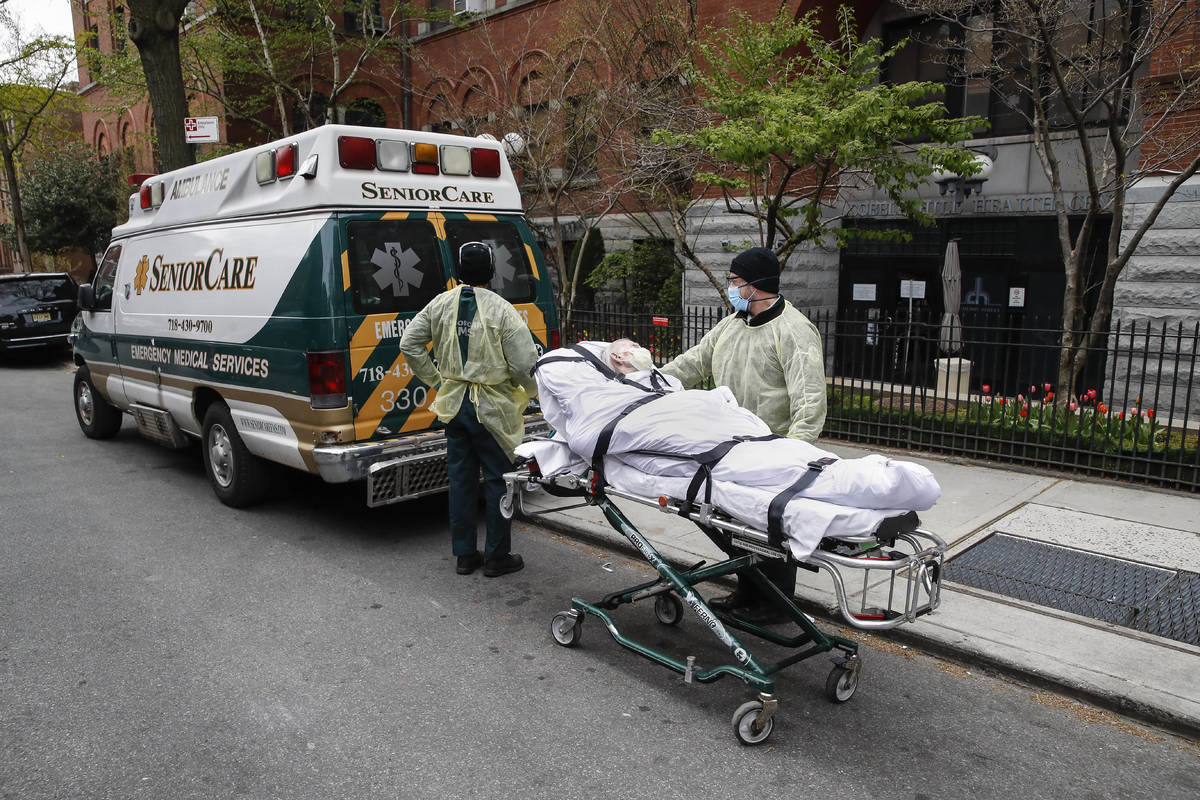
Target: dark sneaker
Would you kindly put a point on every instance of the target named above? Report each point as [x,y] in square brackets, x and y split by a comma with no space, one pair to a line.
[494,567]
[469,563]
[728,602]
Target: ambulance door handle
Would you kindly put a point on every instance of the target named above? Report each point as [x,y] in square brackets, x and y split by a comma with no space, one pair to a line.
[127,291]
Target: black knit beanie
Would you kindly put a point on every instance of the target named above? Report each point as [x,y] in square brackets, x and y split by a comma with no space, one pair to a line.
[476,264]
[758,266]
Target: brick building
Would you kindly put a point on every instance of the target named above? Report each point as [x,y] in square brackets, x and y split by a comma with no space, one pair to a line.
[1006,228]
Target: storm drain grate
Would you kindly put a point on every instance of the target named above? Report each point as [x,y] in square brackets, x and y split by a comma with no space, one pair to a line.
[1151,599]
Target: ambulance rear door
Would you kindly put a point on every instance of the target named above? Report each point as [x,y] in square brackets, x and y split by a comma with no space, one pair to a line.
[393,264]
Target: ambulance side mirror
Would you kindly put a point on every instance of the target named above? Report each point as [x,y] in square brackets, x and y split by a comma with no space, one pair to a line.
[87,297]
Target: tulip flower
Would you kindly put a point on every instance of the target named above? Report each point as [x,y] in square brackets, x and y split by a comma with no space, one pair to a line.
[1049,397]
[987,389]
[1073,405]
[1020,398]
[1120,415]
[1102,408]
[1149,413]
[1045,387]
[1001,400]
[1024,412]
[1091,394]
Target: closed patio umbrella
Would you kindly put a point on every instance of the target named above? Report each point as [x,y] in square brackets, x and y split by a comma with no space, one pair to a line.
[950,336]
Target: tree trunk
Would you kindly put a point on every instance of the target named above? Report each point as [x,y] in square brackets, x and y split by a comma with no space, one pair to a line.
[14,197]
[154,28]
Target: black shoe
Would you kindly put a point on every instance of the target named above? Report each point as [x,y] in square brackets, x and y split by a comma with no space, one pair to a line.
[469,563]
[503,565]
[760,614]
[728,602]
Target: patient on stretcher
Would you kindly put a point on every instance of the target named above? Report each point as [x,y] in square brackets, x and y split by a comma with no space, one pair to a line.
[613,411]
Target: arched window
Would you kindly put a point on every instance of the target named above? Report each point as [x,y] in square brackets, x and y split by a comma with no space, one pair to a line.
[365,111]
[102,146]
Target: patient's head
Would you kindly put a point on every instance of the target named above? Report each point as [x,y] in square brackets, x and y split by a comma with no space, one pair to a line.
[625,356]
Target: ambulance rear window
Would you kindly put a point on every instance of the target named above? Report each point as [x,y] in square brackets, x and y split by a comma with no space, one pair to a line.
[395,265]
[514,279]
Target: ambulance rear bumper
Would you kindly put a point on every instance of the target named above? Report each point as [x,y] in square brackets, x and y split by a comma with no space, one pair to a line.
[401,468]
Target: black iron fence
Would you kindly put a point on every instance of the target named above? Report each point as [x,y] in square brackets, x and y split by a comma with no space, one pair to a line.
[1133,414]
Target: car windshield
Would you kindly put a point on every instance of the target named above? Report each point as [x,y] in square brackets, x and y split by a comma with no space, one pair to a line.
[36,289]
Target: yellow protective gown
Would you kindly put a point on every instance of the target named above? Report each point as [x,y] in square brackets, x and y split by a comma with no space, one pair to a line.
[500,356]
[775,369]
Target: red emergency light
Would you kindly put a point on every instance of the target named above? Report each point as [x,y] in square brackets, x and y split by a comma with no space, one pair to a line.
[356,152]
[285,160]
[485,162]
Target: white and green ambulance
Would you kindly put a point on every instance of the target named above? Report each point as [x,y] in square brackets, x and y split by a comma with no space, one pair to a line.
[256,302]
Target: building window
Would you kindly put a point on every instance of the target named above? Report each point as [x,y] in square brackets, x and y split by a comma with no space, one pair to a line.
[365,111]
[364,17]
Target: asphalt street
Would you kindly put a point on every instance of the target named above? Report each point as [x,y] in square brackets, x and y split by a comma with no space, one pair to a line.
[156,644]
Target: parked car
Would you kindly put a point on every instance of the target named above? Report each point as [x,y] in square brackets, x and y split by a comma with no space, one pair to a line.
[36,310]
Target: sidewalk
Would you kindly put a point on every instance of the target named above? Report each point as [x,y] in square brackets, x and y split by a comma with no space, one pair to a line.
[1140,674]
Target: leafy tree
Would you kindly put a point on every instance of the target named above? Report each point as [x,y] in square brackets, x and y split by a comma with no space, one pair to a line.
[647,273]
[798,118]
[72,199]
[32,75]
[1079,72]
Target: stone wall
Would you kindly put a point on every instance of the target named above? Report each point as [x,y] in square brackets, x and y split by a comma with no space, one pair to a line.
[1160,286]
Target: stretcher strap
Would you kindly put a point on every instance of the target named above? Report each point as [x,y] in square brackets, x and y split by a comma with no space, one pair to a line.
[780,501]
[605,438]
[707,460]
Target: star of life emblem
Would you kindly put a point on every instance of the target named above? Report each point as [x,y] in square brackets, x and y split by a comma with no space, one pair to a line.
[397,268]
[506,267]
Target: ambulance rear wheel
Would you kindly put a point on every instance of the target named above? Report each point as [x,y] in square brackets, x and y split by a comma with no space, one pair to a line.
[97,419]
[238,477]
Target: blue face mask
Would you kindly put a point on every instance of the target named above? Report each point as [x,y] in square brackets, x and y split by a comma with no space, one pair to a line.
[735,298]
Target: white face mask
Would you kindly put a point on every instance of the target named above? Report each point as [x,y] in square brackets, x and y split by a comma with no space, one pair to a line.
[640,358]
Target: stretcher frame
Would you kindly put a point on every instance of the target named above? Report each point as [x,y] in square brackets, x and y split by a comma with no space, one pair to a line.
[917,572]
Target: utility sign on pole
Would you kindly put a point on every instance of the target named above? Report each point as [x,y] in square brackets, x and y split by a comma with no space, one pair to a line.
[201,129]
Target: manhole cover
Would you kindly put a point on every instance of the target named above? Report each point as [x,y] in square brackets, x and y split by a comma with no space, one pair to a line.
[1160,601]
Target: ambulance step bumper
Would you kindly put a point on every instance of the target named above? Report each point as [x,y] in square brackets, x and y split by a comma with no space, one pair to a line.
[157,425]
[407,477]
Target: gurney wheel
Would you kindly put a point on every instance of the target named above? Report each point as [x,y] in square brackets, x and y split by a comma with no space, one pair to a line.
[668,609]
[744,721]
[841,683]
[567,628]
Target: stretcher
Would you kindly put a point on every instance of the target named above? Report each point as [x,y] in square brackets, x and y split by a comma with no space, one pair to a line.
[900,565]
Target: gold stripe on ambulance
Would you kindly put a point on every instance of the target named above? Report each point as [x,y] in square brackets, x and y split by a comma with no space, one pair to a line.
[481,217]
[345,270]
[534,318]
[365,340]
[372,411]
[395,215]
[532,263]
[439,223]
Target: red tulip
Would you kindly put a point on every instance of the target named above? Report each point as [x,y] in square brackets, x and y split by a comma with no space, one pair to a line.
[1149,413]
[1020,398]
[987,389]
[1102,408]
[1120,415]
[1073,405]
[1045,387]
[1001,400]
[1091,394]
[1049,397]
[1024,412]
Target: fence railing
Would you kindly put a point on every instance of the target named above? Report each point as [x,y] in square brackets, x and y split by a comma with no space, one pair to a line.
[1133,414]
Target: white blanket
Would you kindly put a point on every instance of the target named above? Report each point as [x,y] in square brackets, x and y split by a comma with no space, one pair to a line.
[647,454]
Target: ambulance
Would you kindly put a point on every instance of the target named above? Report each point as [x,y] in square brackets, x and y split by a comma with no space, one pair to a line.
[256,301]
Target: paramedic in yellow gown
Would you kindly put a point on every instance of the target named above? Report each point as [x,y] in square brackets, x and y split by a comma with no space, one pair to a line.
[485,354]
[769,355]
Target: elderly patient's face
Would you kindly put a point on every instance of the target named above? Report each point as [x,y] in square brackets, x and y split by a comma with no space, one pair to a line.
[625,356]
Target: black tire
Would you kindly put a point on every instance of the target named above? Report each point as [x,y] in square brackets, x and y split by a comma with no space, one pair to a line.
[567,628]
[841,683]
[745,721]
[668,609]
[97,419]
[238,477]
